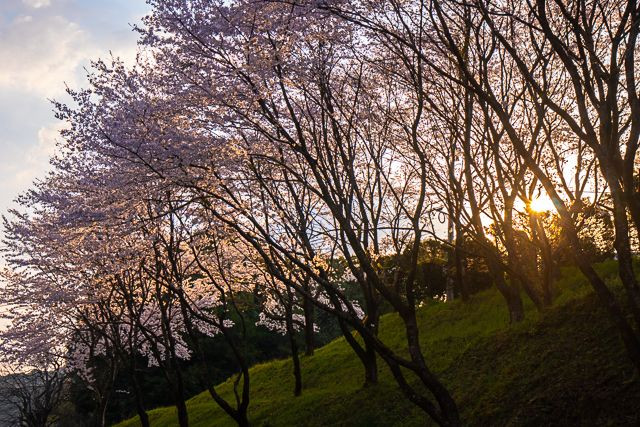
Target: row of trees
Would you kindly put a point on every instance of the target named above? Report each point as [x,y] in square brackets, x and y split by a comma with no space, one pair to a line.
[299,150]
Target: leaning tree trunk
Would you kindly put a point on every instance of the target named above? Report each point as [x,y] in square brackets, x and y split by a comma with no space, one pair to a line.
[366,352]
[447,413]
[623,250]
[369,364]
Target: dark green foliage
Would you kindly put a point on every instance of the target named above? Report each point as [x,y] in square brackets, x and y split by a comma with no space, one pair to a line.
[261,344]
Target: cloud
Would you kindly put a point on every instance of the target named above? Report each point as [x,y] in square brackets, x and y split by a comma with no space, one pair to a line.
[55,49]
[36,4]
[43,46]
[36,158]
[47,140]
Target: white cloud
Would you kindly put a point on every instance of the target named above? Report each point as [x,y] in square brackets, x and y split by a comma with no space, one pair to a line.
[23,19]
[36,158]
[36,4]
[40,53]
[47,139]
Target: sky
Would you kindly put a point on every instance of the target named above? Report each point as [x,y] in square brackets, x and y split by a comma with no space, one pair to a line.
[45,44]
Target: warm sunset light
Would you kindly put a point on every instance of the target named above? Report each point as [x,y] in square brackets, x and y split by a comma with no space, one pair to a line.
[542,203]
[221,188]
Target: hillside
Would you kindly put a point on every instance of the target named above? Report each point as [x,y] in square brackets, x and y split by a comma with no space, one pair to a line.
[564,367]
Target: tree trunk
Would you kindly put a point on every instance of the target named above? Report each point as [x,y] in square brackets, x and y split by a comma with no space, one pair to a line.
[533,293]
[516,309]
[623,250]
[309,333]
[178,394]
[101,415]
[363,354]
[547,263]
[510,293]
[297,373]
[241,419]
[460,282]
[451,262]
[632,196]
[629,338]
[105,396]
[627,334]
[371,365]
[239,416]
[142,413]
[371,323]
[548,272]
[520,275]
[448,408]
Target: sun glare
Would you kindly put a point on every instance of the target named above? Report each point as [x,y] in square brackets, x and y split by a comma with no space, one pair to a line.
[542,203]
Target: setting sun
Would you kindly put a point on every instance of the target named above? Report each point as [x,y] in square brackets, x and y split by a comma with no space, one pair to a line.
[542,203]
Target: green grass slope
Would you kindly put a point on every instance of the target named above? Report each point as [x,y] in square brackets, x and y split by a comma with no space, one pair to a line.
[564,367]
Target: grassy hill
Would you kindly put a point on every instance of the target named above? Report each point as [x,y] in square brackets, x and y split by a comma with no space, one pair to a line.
[564,367]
